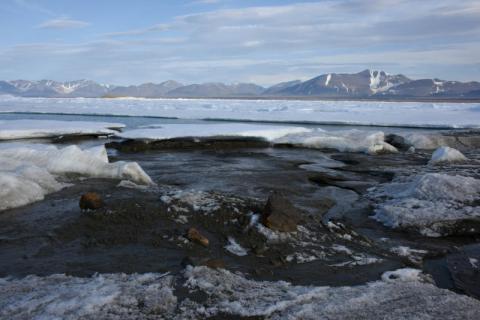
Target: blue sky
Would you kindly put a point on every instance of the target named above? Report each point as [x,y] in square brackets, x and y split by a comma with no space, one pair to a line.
[131,42]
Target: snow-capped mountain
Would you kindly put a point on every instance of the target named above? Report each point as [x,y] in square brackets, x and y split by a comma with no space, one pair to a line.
[362,84]
[365,84]
[49,88]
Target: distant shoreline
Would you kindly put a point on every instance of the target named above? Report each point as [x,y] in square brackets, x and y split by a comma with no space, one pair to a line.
[305,98]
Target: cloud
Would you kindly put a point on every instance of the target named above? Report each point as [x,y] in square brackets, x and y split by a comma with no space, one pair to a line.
[136,32]
[63,23]
[428,38]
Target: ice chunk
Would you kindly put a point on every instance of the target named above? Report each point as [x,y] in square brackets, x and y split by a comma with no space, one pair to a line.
[28,172]
[234,248]
[405,274]
[22,129]
[446,155]
[431,203]
[170,131]
[344,141]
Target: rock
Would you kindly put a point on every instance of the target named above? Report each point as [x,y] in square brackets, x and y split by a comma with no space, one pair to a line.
[215,264]
[195,236]
[91,201]
[397,141]
[279,214]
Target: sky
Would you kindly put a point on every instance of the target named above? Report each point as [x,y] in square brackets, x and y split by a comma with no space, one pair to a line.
[260,41]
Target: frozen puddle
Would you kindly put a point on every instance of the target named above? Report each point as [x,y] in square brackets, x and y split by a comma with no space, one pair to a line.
[28,172]
[401,294]
[23,129]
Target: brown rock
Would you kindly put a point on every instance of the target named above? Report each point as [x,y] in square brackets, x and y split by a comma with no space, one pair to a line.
[279,214]
[91,201]
[195,236]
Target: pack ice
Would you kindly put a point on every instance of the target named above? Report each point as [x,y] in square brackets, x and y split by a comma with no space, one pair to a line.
[28,172]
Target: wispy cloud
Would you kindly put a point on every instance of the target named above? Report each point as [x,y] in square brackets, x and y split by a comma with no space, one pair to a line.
[136,32]
[63,23]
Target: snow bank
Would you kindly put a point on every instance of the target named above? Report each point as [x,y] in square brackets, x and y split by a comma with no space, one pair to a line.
[171,131]
[29,172]
[402,295]
[22,129]
[446,155]
[432,204]
[411,114]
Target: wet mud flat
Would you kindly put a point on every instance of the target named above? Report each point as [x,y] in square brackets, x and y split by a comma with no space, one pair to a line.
[324,235]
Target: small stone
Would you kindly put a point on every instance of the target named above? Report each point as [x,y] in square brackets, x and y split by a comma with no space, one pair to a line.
[195,236]
[91,201]
[279,214]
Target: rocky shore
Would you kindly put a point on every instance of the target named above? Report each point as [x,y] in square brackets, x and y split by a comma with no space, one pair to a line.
[251,228]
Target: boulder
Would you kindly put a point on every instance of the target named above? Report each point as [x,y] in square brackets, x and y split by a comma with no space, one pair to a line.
[397,141]
[195,236]
[91,201]
[279,214]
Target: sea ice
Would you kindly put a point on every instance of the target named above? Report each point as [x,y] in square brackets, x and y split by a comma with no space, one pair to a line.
[446,155]
[29,172]
[411,114]
[170,131]
[23,129]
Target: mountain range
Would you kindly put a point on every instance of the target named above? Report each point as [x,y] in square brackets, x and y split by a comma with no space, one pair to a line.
[365,84]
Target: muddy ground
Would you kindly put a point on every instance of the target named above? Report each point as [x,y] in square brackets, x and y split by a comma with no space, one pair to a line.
[221,190]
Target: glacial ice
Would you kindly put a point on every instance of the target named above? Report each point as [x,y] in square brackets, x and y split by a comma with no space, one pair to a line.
[430,203]
[23,129]
[28,172]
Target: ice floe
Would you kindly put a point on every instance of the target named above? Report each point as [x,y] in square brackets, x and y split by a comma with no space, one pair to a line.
[29,172]
[433,204]
[23,129]
[447,155]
